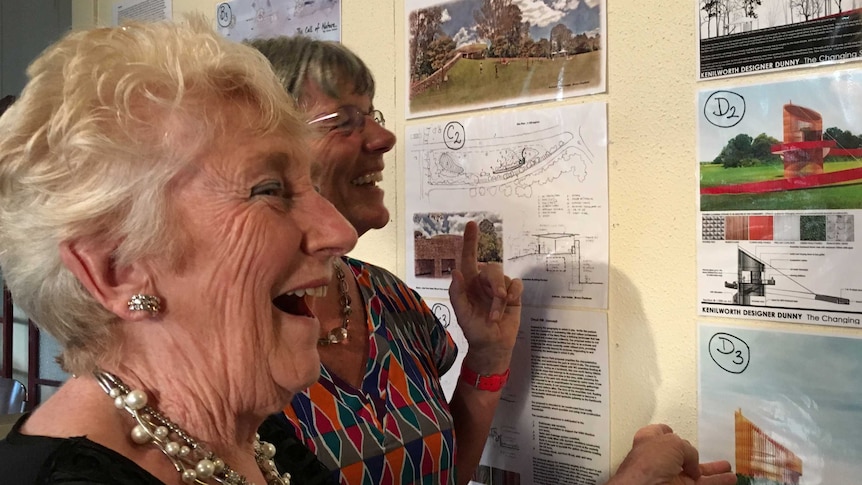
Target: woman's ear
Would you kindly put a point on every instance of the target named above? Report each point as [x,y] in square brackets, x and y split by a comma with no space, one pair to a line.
[92,262]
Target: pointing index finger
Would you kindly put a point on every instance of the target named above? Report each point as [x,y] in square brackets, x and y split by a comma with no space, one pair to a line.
[470,251]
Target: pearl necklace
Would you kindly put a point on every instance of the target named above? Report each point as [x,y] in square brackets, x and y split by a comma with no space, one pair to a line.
[196,464]
[339,334]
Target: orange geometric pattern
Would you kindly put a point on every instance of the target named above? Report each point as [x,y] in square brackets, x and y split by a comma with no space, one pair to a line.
[396,429]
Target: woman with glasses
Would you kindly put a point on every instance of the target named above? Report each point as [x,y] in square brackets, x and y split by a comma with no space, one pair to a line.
[378,414]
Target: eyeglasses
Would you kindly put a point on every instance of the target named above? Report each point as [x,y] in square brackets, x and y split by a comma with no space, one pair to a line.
[347,119]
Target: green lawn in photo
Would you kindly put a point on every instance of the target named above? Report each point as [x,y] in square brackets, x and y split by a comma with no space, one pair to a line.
[846,196]
[474,81]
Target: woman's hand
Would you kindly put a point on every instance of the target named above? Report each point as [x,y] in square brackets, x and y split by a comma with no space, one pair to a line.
[487,304]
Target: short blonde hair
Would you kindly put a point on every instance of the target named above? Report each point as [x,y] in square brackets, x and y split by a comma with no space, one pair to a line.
[107,120]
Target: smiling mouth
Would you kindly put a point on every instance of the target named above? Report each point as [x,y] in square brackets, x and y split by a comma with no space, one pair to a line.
[369,178]
[294,302]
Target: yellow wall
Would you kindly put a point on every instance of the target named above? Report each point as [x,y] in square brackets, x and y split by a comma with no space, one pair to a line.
[652,178]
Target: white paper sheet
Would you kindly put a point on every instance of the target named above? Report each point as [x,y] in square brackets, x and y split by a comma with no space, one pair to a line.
[754,37]
[251,19]
[780,168]
[535,181]
[141,11]
[552,425]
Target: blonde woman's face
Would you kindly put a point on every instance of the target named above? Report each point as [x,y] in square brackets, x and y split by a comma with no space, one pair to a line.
[257,234]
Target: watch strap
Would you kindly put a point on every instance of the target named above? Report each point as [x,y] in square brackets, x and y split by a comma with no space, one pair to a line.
[483,382]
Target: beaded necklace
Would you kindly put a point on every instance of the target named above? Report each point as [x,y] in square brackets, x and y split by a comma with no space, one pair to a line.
[339,334]
[195,463]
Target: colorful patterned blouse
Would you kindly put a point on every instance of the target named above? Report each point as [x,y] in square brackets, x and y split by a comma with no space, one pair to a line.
[399,421]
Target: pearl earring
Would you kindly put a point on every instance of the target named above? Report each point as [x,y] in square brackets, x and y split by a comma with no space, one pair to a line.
[141,302]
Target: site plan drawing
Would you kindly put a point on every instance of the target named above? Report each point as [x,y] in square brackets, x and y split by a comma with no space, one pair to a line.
[780,168]
[535,182]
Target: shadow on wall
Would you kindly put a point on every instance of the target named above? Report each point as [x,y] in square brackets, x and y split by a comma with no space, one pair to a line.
[634,366]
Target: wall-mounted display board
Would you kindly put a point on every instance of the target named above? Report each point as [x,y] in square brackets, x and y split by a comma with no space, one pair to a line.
[782,407]
[739,37]
[470,54]
[780,171]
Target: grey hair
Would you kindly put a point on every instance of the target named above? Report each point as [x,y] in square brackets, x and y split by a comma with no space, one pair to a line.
[108,119]
[330,65]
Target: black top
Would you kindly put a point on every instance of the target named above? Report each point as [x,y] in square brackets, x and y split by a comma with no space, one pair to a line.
[40,460]
[291,454]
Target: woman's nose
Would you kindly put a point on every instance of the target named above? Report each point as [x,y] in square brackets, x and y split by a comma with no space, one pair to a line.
[327,232]
[377,138]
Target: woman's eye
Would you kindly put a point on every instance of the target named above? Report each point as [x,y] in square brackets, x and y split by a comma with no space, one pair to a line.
[341,123]
[268,189]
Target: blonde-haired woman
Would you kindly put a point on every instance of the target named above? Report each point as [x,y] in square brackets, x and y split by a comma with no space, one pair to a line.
[157,217]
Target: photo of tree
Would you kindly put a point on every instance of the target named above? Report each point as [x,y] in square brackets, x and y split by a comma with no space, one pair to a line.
[471,54]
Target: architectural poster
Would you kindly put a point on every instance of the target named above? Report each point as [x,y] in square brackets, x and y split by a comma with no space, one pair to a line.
[552,424]
[751,36]
[780,167]
[535,181]
[469,54]
[781,406]
[251,19]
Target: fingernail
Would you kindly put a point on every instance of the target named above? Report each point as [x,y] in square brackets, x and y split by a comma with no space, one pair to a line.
[495,315]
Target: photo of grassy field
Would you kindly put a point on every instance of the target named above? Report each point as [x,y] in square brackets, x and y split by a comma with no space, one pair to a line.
[843,196]
[470,54]
[467,85]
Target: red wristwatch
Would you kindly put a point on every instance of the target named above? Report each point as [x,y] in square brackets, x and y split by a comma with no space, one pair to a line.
[490,382]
